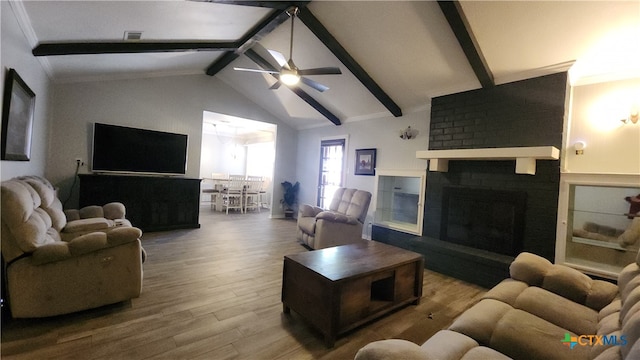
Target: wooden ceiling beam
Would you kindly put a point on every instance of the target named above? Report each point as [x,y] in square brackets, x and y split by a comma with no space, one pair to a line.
[452,11]
[332,44]
[282,5]
[255,57]
[267,25]
[122,47]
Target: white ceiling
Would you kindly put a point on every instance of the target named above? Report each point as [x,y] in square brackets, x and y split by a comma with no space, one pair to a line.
[407,47]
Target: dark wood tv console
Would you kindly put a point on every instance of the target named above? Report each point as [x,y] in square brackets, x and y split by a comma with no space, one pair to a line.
[153,203]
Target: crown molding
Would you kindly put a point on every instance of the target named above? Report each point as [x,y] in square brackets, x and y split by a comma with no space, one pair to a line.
[17,6]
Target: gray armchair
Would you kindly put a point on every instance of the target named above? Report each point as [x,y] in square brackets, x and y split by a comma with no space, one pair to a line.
[340,225]
[57,264]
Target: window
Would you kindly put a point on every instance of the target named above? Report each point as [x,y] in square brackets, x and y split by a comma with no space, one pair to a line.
[331,170]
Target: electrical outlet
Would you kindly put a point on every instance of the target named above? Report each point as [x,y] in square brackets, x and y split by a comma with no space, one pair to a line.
[79,161]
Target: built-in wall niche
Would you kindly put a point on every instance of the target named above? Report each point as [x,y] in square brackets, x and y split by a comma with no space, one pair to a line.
[599,224]
[399,199]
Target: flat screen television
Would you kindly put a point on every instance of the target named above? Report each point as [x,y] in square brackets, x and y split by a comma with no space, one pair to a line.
[132,150]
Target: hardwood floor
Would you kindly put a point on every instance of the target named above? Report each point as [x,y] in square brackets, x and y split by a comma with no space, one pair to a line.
[214,293]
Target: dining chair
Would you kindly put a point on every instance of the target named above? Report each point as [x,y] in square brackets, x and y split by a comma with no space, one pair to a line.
[232,193]
[214,191]
[253,186]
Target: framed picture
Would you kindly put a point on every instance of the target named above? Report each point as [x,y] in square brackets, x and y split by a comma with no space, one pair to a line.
[365,162]
[17,118]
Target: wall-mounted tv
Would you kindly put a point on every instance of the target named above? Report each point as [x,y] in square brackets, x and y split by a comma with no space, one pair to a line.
[131,150]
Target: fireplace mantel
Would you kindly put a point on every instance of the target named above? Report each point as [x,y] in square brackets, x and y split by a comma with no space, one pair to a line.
[525,157]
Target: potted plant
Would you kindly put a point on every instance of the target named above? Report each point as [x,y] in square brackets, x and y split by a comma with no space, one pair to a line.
[290,197]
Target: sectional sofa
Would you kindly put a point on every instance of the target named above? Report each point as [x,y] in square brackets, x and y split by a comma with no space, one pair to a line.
[544,311]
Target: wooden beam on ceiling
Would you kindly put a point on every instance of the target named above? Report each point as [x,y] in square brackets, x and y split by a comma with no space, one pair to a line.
[452,10]
[264,27]
[255,57]
[332,44]
[124,47]
[316,105]
[282,5]
[268,24]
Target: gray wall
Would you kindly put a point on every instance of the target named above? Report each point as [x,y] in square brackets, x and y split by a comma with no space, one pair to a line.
[16,54]
[381,133]
[173,104]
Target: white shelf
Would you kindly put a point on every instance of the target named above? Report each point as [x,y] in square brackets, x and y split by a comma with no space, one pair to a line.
[594,268]
[525,157]
[603,244]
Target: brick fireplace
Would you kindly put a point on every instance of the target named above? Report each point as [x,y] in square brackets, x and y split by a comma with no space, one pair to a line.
[520,210]
[485,219]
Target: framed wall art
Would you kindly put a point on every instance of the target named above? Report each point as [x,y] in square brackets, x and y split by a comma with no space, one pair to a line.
[365,162]
[17,118]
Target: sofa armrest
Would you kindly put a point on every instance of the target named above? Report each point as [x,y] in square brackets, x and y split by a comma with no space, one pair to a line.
[84,244]
[337,217]
[391,349]
[562,280]
[110,211]
[114,210]
[308,211]
[529,268]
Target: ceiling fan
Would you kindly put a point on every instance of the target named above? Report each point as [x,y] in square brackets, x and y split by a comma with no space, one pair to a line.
[289,73]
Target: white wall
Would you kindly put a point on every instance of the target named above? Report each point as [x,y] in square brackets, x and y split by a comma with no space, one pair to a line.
[173,104]
[609,167]
[382,134]
[222,154]
[16,54]
[596,110]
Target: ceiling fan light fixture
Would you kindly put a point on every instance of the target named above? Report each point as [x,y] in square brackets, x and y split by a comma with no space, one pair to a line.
[289,78]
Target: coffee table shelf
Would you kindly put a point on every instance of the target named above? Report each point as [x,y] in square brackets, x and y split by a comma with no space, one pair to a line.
[338,289]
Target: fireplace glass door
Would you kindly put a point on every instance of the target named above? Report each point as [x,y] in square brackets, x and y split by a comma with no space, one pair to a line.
[400,199]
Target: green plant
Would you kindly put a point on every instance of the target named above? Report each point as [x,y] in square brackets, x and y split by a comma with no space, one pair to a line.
[290,194]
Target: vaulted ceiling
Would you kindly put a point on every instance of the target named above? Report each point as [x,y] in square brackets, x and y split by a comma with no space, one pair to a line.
[394,55]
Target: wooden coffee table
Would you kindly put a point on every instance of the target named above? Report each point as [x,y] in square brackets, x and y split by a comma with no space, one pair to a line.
[340,288]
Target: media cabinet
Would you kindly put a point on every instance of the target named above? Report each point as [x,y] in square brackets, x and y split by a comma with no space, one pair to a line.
[153,203]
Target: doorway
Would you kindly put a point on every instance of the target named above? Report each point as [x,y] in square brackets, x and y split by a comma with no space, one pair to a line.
[236,146]
[331,172]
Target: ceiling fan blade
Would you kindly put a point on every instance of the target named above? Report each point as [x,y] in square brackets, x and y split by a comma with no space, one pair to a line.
[266,54]
[282,61]
[256,70]
[321,71]
[314,84]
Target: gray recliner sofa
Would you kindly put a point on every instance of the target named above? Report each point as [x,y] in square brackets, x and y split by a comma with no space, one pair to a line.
[341,224]
[57,263]
[544,312]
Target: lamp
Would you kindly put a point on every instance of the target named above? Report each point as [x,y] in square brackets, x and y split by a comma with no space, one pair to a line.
[633,117]
[408,133]
[579,146]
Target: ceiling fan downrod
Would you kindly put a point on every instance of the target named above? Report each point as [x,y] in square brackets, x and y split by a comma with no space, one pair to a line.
[293,11]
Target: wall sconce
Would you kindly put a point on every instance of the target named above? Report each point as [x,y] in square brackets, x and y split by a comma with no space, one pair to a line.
[408,133]
[579,147]
[633,117]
